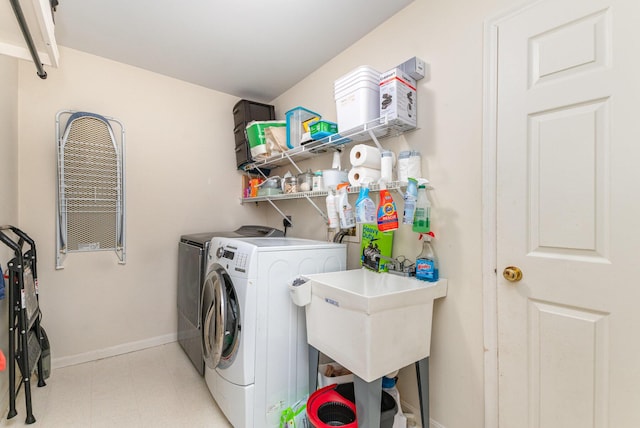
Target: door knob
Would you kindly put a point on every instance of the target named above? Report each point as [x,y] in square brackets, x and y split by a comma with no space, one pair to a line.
[512,273]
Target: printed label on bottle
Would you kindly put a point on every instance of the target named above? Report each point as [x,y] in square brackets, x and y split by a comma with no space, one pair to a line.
[425,270]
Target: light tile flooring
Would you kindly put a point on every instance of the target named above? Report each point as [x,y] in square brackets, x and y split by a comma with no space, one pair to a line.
[156,387]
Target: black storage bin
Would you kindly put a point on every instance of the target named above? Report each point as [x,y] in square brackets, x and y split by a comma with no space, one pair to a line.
[239,134]
[246,111]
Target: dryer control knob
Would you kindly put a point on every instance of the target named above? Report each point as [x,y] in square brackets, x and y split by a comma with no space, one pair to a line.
[219,252]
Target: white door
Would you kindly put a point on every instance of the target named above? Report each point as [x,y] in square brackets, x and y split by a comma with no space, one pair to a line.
[568,215]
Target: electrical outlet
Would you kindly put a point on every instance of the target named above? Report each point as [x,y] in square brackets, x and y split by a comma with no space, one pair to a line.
[287,222]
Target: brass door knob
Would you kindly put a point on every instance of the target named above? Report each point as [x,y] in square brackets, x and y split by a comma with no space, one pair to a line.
[512,273]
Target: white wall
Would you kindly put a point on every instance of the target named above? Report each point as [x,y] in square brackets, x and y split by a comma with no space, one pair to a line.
[8,187]
[448,35]
[181,178]
[179,164]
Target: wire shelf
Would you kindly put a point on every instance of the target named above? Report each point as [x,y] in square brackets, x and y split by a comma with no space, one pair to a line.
[393,185]
[380,128]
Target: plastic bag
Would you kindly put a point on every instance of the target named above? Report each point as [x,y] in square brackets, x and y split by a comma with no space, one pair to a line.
[295,416]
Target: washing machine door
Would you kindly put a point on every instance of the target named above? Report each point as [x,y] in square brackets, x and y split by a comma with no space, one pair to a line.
[221,319]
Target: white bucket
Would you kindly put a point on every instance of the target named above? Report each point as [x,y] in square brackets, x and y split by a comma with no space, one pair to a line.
[362,71]
[357,106]
[357,96]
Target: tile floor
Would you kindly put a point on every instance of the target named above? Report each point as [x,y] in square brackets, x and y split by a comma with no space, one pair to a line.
[156,387]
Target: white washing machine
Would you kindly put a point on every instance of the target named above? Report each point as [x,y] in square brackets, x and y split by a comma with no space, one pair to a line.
[255,344]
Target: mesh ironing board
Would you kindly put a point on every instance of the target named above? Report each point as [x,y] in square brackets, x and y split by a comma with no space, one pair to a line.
[91,185]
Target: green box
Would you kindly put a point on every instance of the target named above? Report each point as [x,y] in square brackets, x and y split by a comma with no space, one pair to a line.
[375,243]
[322,129]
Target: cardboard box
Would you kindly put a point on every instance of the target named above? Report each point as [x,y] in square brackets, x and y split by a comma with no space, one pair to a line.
[324,380]
[398,99]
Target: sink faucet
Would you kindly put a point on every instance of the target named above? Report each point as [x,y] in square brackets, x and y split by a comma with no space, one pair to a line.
[392,263]
[395,266]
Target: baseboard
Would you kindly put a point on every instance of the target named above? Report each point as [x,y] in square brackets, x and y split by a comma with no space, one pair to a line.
[409,409]
[112,351]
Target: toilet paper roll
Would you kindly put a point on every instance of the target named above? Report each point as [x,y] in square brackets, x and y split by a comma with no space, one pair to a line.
[366,156]
[360,175]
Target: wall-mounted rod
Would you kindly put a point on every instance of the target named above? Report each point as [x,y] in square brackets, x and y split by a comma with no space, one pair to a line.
[27,38]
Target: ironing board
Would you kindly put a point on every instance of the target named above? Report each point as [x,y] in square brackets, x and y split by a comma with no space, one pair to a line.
[91,185]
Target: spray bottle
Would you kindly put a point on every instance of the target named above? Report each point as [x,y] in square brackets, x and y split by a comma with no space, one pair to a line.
[365,207]
[427,263]
[387,213]
[345,210]
[410,198]
[422,216]
[332,212]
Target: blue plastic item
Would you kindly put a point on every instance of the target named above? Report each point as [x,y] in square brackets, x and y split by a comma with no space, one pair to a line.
[296,117]
[322,129]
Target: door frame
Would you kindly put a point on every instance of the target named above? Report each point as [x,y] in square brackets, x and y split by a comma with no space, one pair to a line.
[489,208]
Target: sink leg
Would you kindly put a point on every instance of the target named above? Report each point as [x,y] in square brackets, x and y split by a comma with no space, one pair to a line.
[368,399]
[422,375]
[314,357]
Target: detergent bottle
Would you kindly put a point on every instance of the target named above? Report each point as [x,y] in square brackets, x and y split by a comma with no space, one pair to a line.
[410,198]
[387,212]
[427,262]
[422,216]
[365,207]
[332,212]
[345,210]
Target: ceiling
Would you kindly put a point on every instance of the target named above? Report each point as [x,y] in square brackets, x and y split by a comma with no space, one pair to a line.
[254,49]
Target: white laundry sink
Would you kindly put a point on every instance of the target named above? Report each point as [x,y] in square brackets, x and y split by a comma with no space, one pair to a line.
[371,323]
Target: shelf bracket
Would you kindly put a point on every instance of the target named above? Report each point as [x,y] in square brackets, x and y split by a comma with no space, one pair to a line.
[293,162]
[375,140]
[322,214]
[284,216]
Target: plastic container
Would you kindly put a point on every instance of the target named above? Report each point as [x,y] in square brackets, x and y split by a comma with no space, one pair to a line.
[296,120]
[333,373]
[322,129]
[357,94]
[245,111]
[318,181]
[334,405]
[365,207]
[386,166]
[255,135]
[387,213]
[290,185]
[422,216]
[305,181]
[427,263]
[345,210]
[410,199]
[403,166]
[332,211]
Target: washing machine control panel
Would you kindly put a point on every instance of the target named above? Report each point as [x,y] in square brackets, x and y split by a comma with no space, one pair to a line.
[223,253]
[231,254]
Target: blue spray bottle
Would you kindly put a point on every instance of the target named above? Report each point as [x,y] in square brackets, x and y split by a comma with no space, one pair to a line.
[427,263]
[365,207]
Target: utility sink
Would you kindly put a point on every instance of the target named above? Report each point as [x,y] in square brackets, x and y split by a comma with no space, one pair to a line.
[371,323]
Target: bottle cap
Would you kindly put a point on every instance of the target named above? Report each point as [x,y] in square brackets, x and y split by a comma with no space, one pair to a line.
[388,382]
[427,236]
